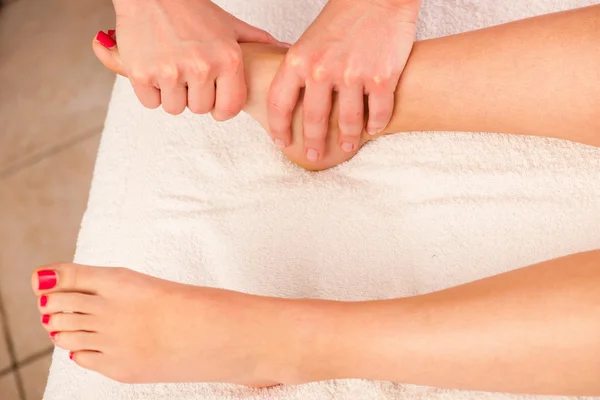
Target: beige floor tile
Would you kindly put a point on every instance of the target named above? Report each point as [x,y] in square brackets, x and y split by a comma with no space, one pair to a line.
[5,360]
[34,377]
[40,209]
[8,387]
[53,88]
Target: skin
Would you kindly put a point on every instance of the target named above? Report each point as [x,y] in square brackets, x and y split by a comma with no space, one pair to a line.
[185,54]
[447,82]
[354,48]
[494,334]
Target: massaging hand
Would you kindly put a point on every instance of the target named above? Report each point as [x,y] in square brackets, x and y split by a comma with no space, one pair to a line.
[356,48]
[185,53]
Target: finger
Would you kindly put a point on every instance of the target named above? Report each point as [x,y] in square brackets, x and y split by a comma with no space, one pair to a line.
[201,96]
[381,106]
[173,96]
[147,94]
[281,102]
[351,117]
[250,34]
[230,90]
[316,110]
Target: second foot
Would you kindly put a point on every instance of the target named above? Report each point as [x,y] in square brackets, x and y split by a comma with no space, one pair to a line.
[135,328]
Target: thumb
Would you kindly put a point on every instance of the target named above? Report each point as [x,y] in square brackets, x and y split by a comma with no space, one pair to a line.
[249,34]
[109,57]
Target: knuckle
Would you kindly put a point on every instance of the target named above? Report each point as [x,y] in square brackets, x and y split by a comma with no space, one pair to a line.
[231,58]
[141,77]
[276,108]
[320,73]
[351,76]
[169,74]
[199,69]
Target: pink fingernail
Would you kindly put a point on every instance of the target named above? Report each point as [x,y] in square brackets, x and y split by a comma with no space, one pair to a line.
[105,40]
[347,147]
[43,301]
[312,155]
[45,319]
[373,131]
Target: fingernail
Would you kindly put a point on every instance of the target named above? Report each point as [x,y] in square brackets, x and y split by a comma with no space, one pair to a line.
[105,40]
[71,354]
[52,334]
[347,147]
[46,279]
[312,155]
[279,143]
[43,301]
[111,32]
[373,131]
[45,319]
[285,44]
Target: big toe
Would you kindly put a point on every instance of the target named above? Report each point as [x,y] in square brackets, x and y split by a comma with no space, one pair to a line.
[64,277]
[111,58]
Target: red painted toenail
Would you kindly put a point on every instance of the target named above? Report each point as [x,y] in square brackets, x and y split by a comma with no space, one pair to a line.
[52,334]
[111,32]
[45,319]
[105,40]
[46,279]
[71,354]
[43,301]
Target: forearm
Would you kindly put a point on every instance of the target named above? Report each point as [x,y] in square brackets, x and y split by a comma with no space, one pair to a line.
[539,76]
[532,330]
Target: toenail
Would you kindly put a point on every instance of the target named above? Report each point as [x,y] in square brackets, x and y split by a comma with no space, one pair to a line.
[45,319]
[43,301]
[105,40]
[46,279]
[312,155]
[111,32]
[52,335]
[279,143]
[71,354]
[347,147]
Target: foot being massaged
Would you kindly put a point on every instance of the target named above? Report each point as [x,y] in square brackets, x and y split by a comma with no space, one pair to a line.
[538,77]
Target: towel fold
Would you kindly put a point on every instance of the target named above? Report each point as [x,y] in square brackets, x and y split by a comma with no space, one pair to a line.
[191,200]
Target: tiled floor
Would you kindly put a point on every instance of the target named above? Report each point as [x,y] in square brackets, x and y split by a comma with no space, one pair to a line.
[53,101]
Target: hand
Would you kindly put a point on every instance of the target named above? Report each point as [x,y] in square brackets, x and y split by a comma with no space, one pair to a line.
[354,47]
[185,53]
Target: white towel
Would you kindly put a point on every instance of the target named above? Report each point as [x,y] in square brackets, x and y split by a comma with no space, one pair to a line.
[187,199]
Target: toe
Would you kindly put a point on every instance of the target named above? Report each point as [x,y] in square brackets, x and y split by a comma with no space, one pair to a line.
[77,341]
[53,303]
[88,359]
[65,277]
[69,322]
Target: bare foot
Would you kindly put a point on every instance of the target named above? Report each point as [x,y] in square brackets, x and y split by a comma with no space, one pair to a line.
[261,63]
[138,329]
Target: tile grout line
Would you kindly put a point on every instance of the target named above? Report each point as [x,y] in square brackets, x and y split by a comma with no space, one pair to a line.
[11,352]
[37,157]
[28,360]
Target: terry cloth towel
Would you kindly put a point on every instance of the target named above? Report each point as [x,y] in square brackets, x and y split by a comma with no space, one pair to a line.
[191,200]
